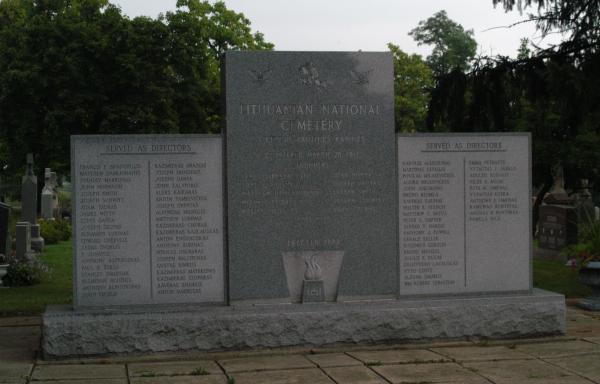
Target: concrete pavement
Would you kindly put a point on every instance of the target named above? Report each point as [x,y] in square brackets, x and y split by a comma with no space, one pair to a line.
[573,358]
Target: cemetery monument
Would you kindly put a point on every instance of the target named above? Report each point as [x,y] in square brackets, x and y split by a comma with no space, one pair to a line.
[314,225]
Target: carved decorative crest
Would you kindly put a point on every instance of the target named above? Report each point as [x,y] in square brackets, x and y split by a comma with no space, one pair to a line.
[259,77]
[310,76]
[361,78]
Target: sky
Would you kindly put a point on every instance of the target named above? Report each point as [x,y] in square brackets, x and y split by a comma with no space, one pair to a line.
[368,25]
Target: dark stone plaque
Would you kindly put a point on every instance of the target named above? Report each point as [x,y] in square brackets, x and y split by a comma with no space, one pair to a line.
[557,226]
[311,172]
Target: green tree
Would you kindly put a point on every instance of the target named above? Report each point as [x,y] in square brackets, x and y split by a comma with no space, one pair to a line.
[564,85]
[579,20]
[413,81]
[453,47]
[524,52]
[556,99]
[552,93]
[202,32]
[81,67]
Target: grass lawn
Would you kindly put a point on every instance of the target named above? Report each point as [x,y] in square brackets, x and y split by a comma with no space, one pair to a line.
[57,288]
[554,276]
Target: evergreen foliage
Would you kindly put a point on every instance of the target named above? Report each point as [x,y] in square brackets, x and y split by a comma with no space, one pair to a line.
[552,93]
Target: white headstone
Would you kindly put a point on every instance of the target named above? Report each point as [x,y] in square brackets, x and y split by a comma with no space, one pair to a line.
[29,193]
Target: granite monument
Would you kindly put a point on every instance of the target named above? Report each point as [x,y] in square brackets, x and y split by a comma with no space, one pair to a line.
[310,175]
[464,213]
[148,219]
[333,234]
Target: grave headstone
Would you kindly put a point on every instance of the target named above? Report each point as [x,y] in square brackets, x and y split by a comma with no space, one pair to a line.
[464,213]
[5,241]
[54,186]
[49,196]
[47,213]
[37,241]
[148,219]
[557,226]
[559,217]
[557,194]
[52,178]
[29,205]
[29,194]
[310,170]
[3,271]
[585,206]
[23,240]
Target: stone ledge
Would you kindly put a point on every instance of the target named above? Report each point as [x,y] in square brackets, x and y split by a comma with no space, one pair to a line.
[138,330]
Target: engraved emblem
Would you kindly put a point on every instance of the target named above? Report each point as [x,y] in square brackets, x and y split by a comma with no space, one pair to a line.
[259,77]
[313,270]
[313,288]
[361,78]
[310,76]
[312,276]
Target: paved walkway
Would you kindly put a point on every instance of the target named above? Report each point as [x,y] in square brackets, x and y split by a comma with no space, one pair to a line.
[570,359]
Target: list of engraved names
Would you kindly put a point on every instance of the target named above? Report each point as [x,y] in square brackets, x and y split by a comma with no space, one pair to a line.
[148,219]
[452,191]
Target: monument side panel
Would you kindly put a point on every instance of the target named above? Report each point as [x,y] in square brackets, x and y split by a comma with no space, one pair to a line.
[464,213]
[311,174]
[148,222]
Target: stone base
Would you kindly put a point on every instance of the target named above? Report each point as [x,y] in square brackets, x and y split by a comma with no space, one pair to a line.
[37,244]
[3,270]
[590,303]
[95,332]
[313,291]
[37,241]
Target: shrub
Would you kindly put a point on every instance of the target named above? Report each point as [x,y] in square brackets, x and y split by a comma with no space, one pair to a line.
[49,232]
[54,231]
[25,272]
[65,229]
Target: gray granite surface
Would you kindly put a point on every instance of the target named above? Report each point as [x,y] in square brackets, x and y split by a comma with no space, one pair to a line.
[464,213]
[22,240]
[148,219]
[5,239]
[311,173]
[143,330]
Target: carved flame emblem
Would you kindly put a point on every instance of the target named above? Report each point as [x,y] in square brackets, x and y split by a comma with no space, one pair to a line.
[313,270]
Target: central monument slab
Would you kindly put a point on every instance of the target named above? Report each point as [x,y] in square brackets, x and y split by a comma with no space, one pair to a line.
[310,174]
